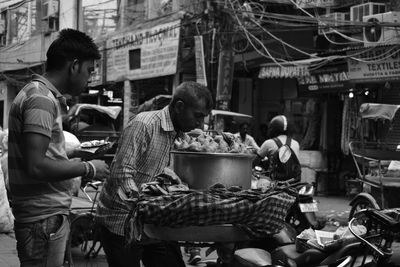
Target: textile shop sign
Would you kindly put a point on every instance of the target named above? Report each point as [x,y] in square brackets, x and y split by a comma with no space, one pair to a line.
[328,79]
[143,54]
[377,65]
[316,3]
[200,65]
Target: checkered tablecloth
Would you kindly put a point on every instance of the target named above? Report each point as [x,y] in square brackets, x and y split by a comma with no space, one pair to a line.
[259,214]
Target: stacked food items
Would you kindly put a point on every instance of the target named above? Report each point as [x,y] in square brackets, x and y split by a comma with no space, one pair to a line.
[211,143]
[94,143]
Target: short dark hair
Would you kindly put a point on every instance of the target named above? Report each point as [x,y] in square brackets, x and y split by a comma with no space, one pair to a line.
[71,44]
[192,92]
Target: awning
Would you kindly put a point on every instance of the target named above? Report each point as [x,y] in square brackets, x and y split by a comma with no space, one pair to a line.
[378,111]
[292,69]
[216,112]
[111,111]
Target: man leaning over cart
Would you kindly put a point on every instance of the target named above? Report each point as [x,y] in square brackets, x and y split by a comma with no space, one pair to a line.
[143,153]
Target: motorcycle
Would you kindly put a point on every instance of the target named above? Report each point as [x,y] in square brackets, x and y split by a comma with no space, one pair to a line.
[283,250]
[302,215]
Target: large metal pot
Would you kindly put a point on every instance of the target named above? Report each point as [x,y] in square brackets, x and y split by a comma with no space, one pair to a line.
[201,170]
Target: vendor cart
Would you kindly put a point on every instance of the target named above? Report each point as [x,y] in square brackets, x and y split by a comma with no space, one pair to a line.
[373,160]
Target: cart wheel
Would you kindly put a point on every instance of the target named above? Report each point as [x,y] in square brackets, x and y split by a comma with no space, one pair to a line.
[82,230]
[359,204]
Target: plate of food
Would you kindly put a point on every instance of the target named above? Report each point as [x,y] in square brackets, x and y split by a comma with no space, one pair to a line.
[94,144]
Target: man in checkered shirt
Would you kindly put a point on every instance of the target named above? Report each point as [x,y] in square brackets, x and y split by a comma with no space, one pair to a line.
[143,152]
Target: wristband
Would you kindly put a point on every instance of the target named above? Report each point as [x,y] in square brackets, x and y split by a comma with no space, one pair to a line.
[93,168]
[87,170]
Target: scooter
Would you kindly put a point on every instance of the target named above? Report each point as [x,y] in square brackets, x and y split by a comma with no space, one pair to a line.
[253,257]
[302,215]
[288,252]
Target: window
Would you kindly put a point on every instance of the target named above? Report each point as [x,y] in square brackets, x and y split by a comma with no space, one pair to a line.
[100,17]
[134,59]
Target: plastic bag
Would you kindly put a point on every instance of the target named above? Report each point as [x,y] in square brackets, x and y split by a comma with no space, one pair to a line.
[6,217]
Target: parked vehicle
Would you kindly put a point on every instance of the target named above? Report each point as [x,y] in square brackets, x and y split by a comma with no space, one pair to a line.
[380,185]
[84,232]
[371,247]
[383,227]
[90,122]
[284,251]
[302,215]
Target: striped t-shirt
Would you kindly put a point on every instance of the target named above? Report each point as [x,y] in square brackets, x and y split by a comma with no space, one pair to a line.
[36,109]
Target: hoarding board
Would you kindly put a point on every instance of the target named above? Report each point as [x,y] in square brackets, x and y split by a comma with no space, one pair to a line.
[143,53]
[329,79]
[375,65]
[316,3]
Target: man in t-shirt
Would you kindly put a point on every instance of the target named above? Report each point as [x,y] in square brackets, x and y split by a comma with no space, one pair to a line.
[244,137]
[40,173]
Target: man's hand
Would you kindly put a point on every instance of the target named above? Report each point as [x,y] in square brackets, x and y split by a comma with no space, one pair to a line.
[102,169]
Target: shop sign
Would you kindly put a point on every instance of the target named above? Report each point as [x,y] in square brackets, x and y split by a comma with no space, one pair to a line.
[328,79]
[385,65]
[200,65]
[316,3]
[143,54]
[274,71]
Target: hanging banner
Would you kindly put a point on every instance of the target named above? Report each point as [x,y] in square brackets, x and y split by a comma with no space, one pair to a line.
[200,65]
[377,65]
[316,3]
[333,78]
[143,54]
[225,75]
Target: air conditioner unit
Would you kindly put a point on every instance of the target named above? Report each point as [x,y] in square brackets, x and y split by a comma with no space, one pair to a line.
[50,25]
[376,34]
[359,11]
[329,22]
[50,9]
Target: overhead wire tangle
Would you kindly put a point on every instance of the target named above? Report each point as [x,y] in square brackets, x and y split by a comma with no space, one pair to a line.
[323,23]
[377,58]
[283,42]
[269,55]
[250,36]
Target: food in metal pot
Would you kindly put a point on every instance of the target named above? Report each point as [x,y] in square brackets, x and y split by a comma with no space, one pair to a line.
[205,142]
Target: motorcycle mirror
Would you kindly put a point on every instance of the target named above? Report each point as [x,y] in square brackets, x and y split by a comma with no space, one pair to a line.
[306,190]
[258,168]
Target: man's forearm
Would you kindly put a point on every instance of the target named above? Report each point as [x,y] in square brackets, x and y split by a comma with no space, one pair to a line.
[50,170]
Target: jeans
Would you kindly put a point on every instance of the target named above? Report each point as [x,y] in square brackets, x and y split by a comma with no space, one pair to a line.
[42,243]
[160,254]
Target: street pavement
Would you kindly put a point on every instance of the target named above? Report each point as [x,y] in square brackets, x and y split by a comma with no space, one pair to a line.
[335,209]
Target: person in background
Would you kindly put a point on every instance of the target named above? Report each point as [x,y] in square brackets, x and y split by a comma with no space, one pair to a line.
[40,172]
[244,137]
[280,128]
[143,153]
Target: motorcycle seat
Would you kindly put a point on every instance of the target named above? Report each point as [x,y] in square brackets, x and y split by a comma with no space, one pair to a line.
[288,256]
[252,257]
